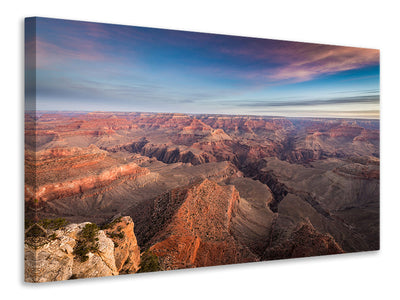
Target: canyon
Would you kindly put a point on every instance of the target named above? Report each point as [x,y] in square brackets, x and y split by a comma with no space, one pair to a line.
[201,190]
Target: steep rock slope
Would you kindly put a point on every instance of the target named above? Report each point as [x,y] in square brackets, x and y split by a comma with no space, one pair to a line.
[304,241]
[253,219]
[199,232]
[64,172]
[126,248]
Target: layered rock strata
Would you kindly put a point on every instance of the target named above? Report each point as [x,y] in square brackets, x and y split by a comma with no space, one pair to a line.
[53,255]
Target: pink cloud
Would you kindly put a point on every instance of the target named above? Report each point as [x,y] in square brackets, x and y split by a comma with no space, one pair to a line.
[48,54]
[302,61]
[326,60]
[96,30]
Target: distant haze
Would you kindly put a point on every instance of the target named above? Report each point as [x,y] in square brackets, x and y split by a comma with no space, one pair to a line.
[102,67]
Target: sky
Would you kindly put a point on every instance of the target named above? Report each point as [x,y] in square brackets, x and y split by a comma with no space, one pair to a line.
[84,66]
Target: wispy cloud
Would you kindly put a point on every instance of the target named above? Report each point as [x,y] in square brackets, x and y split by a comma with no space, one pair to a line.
[325,60]
[354,114]
[307,102]
[63,42]
[297,62]
[48,54]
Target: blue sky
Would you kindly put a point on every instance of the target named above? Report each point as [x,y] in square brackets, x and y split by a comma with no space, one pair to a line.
[91,66]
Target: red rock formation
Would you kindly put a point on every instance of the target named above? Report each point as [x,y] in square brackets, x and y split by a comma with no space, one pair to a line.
[368,135]
[358,171]
[126,249]
[198,234]
[63,172]
[305,241]
[345,131]
[246,124]
[82,185]
[197,126]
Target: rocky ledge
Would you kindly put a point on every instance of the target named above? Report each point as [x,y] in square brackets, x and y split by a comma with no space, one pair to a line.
[80,251]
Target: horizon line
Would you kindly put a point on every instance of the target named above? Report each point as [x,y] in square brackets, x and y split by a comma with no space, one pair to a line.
[215,114]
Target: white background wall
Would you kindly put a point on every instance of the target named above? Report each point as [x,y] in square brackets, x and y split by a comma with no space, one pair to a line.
[372,24]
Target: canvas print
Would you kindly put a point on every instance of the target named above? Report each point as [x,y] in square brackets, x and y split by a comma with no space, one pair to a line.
[152,150]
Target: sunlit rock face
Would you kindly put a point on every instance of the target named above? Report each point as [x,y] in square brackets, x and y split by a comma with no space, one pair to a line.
[54,255]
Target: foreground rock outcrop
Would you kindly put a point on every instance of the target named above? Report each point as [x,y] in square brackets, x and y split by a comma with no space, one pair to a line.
[80,251]
[126,248]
